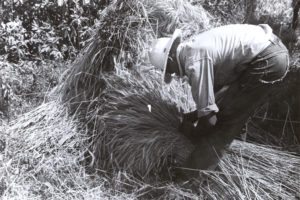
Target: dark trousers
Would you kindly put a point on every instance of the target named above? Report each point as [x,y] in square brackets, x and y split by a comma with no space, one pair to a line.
[255,85]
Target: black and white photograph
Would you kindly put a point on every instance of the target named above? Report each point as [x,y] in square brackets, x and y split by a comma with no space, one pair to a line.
[150,99]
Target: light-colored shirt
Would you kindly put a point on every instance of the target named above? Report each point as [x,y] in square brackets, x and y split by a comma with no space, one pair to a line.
[217,57]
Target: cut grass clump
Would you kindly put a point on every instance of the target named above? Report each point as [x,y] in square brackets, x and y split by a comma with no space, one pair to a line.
[135,127]
[260,172]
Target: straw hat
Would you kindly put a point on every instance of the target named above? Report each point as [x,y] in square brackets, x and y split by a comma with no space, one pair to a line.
[160,50]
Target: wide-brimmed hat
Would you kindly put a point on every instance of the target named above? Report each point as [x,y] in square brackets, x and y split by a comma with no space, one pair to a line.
[160,50]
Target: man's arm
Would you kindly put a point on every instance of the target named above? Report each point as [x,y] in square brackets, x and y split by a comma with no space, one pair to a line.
[201,79]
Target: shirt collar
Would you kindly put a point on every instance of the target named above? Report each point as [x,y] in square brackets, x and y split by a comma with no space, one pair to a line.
[178,51]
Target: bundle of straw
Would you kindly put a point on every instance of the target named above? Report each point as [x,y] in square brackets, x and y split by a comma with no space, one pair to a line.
[134,127]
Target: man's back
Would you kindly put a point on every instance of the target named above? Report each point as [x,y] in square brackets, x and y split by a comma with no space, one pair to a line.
[228,47]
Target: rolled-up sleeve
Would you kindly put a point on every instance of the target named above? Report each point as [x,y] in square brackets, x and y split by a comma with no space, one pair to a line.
[201,77]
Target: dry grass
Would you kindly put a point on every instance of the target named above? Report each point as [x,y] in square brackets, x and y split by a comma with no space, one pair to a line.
[42,156]
[121,125]
[44,150]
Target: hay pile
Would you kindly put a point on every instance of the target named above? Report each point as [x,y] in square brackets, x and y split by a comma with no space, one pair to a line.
[123,124]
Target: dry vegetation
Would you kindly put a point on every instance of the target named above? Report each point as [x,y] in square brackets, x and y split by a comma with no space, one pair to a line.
[109,130]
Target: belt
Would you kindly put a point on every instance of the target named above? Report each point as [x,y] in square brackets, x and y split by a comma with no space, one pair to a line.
[279,49]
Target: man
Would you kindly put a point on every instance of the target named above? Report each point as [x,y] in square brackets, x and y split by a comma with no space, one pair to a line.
[231,69]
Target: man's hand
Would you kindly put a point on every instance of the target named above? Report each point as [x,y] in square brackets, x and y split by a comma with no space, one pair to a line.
[207,121]
[191,116]
[205,124]
[188,128]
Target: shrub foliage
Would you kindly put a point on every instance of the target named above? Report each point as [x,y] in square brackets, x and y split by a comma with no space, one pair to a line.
[46,29]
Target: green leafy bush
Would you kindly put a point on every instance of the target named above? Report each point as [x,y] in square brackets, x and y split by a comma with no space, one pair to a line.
[50,29]
[13,36]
